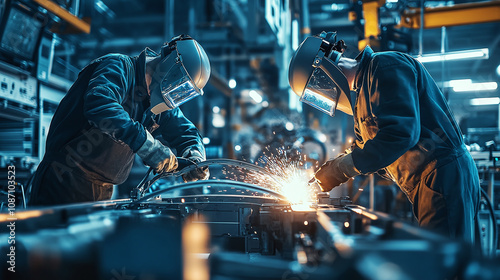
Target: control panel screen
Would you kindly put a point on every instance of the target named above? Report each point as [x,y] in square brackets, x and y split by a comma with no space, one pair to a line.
[20,34]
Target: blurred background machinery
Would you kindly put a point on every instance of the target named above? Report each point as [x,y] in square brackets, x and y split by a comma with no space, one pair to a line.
[248,109]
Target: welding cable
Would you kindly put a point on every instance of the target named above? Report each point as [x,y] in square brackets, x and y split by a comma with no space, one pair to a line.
[144,185]
[183,163]
[493,219]
[144,180]
[24,196]
[28,188]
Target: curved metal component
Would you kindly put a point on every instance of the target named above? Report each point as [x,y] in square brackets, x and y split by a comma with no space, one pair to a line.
[233,184]
[143,187]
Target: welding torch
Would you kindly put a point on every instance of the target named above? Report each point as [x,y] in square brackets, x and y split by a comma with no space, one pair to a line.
[143,186]
[312,181]
[346,152]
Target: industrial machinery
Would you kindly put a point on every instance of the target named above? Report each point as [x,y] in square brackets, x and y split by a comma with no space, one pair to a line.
[225,228]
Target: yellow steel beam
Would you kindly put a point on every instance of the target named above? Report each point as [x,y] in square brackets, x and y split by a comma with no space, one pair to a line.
[62,13]
[460,14]
[370,14]
[372,27]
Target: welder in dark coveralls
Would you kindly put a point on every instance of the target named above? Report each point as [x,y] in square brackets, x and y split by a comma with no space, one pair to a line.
[404,129]
[118,107]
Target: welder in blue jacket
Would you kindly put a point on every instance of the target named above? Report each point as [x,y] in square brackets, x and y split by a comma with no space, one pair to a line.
[118,107]
[403,125]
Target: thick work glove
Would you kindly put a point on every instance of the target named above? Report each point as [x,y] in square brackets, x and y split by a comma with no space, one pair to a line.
[201,173]
[156,155]
[335,172]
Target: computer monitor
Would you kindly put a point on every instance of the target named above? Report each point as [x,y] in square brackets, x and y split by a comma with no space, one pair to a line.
[20,34]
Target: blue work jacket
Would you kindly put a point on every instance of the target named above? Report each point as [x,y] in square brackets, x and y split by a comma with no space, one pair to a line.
[403,125]
[99,125]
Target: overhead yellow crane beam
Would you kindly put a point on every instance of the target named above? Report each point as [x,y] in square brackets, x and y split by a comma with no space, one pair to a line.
[460,14]
[74,21]
[372,26]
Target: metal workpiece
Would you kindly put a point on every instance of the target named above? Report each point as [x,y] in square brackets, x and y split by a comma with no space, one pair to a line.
[227,229]
[380,241]
[185,167]
[249,239]
[215,183]
[324,198]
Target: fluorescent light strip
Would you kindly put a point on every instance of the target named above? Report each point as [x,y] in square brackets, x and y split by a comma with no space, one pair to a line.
[485,101]
[488,86]
[458,55]
[458,83]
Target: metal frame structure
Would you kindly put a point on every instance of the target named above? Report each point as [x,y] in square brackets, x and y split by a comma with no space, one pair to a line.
[79,24]
[459,14]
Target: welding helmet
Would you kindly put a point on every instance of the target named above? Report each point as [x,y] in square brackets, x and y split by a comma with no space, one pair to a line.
[314,74]
[180,75]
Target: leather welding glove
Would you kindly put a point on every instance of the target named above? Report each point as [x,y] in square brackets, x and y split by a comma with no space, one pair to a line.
[157,155]
[201,173]
[335,172]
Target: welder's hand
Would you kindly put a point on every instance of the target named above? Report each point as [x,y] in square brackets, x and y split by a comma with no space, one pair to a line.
[201,173]
[335,172]
[156,155]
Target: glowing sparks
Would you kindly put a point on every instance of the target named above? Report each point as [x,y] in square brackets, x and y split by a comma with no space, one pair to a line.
[294,187]
[288,178]
[304,207]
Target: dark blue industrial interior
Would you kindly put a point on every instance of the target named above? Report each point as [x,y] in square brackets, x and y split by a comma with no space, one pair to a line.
[239,139]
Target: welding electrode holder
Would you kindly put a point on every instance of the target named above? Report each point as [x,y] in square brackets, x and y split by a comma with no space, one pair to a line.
[312,181]
[144,185]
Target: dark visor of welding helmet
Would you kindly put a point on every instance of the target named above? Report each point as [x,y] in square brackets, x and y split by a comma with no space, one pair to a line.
[321,92]
[325,86]
[314,74]
[177,87]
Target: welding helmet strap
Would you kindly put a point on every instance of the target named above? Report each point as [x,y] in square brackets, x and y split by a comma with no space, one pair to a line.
[332,48]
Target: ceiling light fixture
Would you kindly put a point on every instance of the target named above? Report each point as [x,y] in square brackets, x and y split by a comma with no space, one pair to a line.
[485,101]
[458,55]
[458,83]
[487,86]
[255,96]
